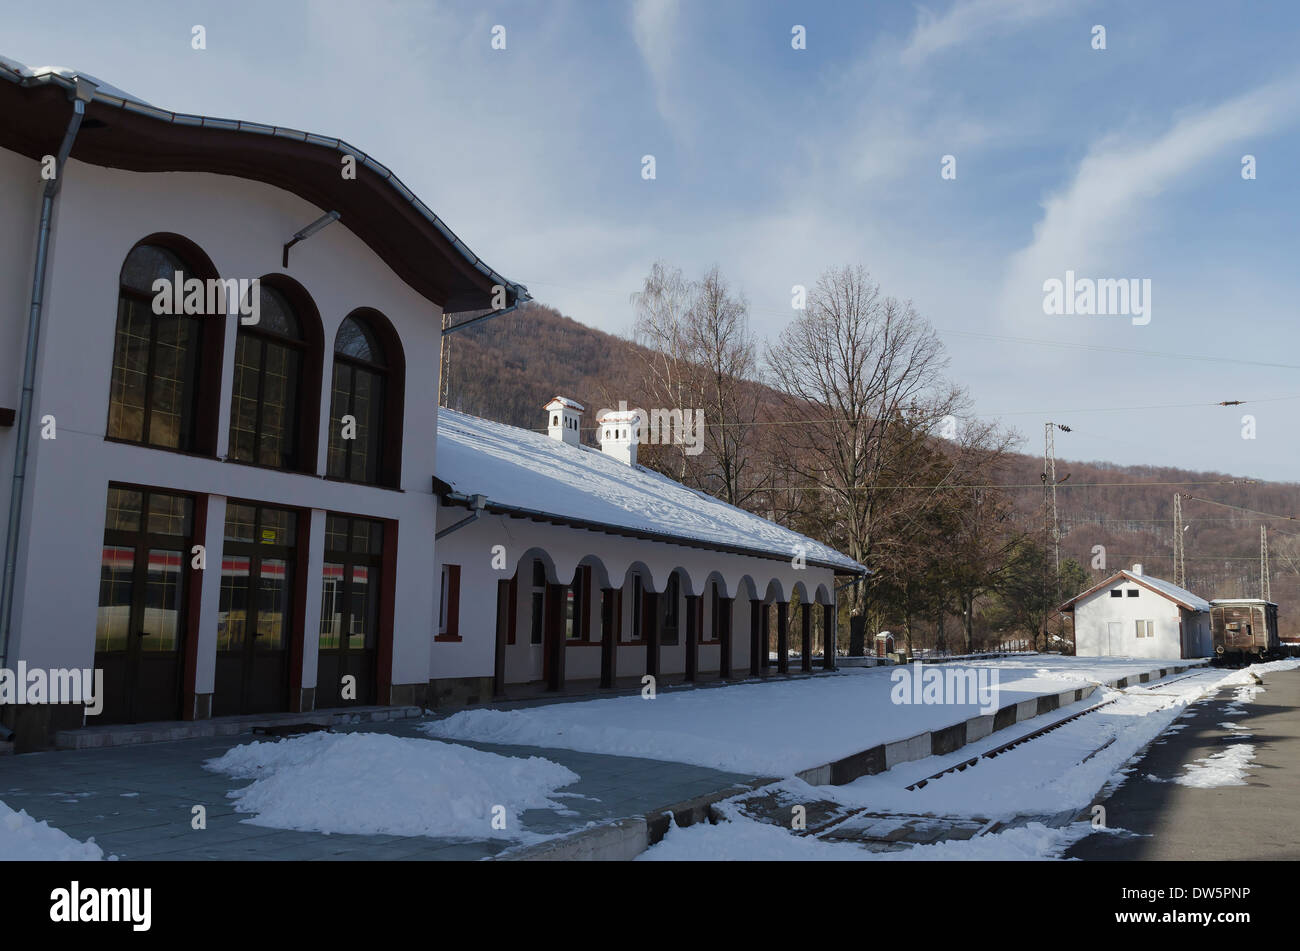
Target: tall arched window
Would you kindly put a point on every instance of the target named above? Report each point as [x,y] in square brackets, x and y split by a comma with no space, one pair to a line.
[364,405]
[156,378]
[270,359]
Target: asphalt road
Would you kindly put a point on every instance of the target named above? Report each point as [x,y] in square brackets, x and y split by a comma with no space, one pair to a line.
[1165,820]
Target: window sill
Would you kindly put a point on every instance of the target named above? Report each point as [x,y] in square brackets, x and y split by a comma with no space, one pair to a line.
[368,485]
[262,465]
[177,452]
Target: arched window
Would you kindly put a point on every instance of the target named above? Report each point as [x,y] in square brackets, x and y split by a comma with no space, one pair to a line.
[365,403]
[153,396]
[266,402]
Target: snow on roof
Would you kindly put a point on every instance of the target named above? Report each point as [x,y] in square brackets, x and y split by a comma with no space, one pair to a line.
[1170,590]
[35,72]
[565,402]
[620,416]
[1243,601]
[520,469]
[1159,585]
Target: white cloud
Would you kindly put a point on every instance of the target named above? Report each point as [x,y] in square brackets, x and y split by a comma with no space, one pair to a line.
[1107,203]
[654,27]
[969,21]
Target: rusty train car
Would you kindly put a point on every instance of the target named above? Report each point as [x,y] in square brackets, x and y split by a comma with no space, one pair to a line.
[1244,630]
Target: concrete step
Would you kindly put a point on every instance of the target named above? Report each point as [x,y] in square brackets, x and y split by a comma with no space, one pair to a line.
[128,734]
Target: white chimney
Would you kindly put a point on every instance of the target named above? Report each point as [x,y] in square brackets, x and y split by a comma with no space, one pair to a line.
[564,420]
[1137,569]
[619,432]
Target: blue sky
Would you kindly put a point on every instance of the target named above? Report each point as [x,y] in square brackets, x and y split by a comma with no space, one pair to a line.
[776,163]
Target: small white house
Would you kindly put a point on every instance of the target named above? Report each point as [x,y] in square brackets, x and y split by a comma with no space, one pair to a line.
[1132,614]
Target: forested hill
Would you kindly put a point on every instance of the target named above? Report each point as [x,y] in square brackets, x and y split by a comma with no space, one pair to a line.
[507,368]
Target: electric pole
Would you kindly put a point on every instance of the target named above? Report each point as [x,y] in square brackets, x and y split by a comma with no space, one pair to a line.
[1053,526]
[1265,590]
[1180,556]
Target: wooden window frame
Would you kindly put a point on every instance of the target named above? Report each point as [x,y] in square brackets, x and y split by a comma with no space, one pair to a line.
[449,606]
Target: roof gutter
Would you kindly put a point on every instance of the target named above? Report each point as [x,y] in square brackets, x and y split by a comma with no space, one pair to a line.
[489,316]
[81,92]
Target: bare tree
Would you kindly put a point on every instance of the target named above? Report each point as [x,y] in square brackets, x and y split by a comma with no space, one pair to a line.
[861,371]
[701,355]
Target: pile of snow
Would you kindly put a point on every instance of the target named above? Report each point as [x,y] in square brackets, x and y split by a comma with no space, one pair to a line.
[23,839]
[1227,768]
[373,783]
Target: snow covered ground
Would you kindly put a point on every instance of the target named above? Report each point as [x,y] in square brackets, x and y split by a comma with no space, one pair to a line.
[744,840]
[1059,771]
[773,729]
[23,839]
[374,783]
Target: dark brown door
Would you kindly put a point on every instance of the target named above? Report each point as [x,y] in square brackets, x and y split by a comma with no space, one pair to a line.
[347,666]
[140,630]
[255,620]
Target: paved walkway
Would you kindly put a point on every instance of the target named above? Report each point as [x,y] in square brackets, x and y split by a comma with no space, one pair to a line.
[1172,821]
[136,801]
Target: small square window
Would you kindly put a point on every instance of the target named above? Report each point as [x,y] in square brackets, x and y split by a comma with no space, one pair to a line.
[1132,592]
[1116,593]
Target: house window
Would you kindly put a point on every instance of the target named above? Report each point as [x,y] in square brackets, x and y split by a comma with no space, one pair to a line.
[363,448]
[715,606]
[539,601]
[449,603]
[1116,593]
[575,615]
[264,400]
[636,607]
[670,611]
[153,395]
[1132,592]
[1145,628]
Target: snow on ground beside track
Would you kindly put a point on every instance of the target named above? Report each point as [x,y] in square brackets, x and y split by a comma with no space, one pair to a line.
[1045,776]
[1228,768]
[373,783]
[23,839]
[744,840]
[776,728]
[1048,775]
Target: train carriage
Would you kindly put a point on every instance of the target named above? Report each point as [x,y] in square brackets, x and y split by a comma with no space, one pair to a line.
[1244,629]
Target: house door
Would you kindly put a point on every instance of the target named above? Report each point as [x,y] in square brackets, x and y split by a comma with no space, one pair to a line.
[254,623]
[1114,638]
[140,629]
[348,667]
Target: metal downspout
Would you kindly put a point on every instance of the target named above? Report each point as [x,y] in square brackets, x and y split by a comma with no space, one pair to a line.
[81,95]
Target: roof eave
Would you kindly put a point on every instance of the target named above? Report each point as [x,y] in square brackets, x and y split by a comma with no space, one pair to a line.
[399,227]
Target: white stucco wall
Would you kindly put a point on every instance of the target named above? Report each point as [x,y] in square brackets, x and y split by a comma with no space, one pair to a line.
[241,226]
[471,547]
[1094,614]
